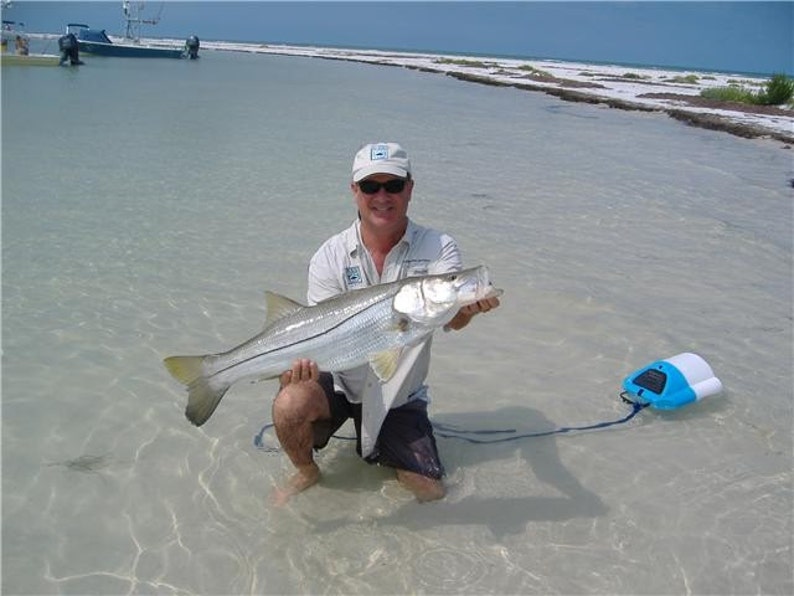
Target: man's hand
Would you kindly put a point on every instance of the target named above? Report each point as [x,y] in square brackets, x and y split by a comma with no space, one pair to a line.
[302,369]
[466,314]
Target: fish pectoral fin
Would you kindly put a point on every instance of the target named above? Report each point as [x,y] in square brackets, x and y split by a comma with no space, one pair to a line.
[384,364]
[400,324]
[279,306]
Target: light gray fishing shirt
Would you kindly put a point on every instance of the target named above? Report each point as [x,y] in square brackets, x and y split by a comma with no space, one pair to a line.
[342,264]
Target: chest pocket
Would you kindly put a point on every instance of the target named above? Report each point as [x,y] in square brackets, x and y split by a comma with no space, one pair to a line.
[415,268]
[353,277]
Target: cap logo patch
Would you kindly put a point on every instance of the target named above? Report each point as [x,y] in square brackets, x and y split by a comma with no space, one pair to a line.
[379,152]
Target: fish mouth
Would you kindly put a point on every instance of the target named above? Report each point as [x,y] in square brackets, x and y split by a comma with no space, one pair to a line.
[474,285]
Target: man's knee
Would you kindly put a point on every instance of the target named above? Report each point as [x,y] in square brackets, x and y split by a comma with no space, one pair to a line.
[304,401]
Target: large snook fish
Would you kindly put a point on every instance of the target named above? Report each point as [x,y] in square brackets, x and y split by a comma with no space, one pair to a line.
[369,325]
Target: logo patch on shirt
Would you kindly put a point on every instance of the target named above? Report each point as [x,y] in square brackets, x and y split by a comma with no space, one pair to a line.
[416,267]
[379,152]
[353,276]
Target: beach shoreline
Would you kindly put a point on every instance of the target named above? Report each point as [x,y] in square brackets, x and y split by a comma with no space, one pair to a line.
[647,89]
[676,93]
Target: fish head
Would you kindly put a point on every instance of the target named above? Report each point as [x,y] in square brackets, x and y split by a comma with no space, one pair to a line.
[434,299]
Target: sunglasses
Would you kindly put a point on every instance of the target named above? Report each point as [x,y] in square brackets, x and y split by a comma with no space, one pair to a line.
[393,186]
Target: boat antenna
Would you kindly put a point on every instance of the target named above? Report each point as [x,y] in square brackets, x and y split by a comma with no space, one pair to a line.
[132,14]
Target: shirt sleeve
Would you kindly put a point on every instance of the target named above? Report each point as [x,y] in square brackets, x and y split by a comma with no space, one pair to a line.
[323,282]
[449,257]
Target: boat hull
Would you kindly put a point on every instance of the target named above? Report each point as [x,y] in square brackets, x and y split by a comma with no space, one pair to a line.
[118,50]
[29,60]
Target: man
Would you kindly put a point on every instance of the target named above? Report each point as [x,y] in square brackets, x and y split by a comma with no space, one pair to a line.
[392,426]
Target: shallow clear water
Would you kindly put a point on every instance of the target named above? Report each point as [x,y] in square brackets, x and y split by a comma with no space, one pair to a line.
[148,204]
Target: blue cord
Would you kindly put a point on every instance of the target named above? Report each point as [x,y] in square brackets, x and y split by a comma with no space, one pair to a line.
[449,432]
[258,443]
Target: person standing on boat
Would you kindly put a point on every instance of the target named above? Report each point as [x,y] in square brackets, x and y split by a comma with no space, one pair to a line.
[22,47]
[392,426]
[70,52]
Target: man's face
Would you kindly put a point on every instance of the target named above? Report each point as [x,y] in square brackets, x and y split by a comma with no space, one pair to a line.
[378,206]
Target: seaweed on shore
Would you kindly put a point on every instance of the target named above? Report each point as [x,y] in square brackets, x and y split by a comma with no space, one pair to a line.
[702,120]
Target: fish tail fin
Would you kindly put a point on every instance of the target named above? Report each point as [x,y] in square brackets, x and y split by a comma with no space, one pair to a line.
[202,400]
[203,397]
[185,369]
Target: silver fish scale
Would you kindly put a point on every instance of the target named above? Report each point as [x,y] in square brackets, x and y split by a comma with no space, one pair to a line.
[338,335]
[373,330]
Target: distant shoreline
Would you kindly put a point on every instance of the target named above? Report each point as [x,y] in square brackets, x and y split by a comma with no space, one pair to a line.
[674,92]
[707,120]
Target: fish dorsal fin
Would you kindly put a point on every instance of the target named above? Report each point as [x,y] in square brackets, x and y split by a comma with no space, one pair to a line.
[279,306]
[384,364]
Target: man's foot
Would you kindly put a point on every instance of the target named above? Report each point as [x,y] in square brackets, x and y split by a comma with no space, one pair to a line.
[424,488]
[301,480]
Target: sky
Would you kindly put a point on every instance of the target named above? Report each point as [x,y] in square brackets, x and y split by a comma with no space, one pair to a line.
[742,37]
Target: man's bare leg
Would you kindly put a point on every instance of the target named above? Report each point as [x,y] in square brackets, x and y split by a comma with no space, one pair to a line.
[424,488]
[300,402]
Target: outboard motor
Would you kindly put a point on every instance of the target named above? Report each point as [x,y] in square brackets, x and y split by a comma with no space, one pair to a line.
[192,47]
[70,51]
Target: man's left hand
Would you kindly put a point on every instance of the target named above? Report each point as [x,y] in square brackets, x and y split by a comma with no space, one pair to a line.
[466,313]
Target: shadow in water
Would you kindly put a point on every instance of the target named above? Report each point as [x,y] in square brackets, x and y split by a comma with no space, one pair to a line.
[503,515]
[85,463]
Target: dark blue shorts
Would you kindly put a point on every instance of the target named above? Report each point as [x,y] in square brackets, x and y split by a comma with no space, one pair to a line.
[405,442]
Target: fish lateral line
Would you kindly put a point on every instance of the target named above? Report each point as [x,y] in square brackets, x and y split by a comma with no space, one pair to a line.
[270,351]
[343,332]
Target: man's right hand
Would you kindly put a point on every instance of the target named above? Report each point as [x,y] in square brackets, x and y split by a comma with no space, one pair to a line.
[302,370]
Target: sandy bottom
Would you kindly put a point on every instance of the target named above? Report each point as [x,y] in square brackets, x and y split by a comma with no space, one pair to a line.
[619,239]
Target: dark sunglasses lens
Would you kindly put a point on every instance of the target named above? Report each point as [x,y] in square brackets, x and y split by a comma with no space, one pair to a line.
[370,187]
[394,186]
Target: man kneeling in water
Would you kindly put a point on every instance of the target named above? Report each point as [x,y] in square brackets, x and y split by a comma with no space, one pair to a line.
[392,426]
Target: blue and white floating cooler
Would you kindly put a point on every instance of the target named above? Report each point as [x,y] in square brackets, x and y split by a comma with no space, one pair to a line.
[671,383]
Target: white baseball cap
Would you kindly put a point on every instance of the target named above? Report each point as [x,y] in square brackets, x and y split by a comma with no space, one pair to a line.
[381,158]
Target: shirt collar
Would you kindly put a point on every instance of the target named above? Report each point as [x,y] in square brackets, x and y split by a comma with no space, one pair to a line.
[353,236]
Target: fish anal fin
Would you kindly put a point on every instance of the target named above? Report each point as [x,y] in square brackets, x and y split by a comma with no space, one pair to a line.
[265,378]
[279,306]
[384,364]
